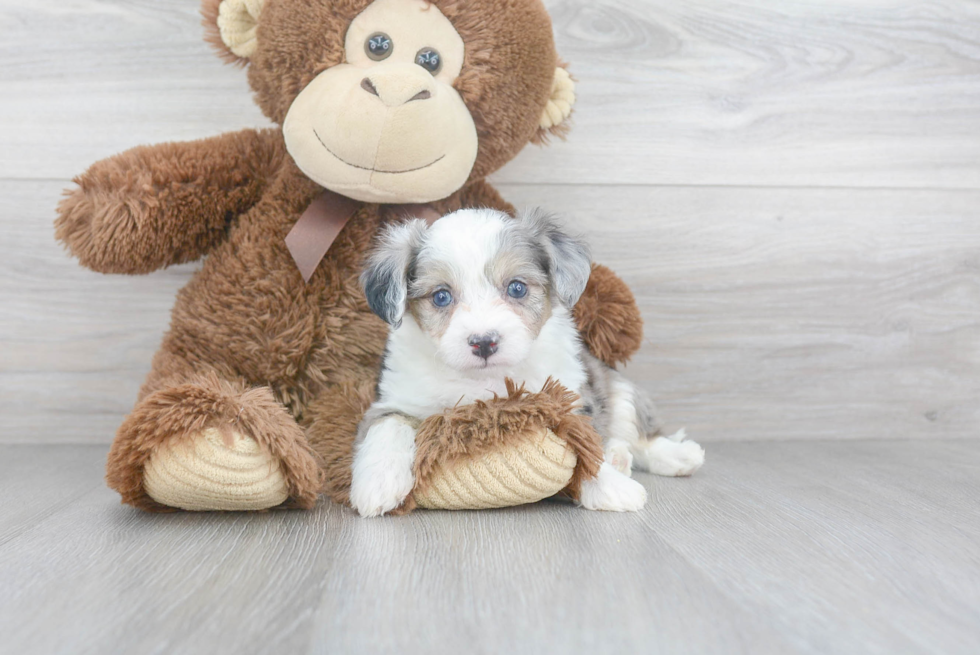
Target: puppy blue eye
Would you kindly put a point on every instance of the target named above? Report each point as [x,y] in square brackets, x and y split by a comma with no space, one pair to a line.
[442,298]
[517,289]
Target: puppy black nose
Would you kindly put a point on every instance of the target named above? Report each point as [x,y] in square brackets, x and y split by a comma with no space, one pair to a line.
[483,345]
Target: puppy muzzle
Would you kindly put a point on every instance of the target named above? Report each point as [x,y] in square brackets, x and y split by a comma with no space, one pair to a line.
[484,345]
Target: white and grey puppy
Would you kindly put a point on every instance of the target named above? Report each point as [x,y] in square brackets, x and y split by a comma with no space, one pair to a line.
[474,299]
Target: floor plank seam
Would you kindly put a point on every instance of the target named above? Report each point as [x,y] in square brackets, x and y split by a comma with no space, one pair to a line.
[46,515]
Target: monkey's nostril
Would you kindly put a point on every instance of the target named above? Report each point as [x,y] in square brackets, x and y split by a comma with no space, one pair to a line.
[421,95]
[368,86]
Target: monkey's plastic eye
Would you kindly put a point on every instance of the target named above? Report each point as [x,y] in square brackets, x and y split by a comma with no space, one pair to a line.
[429,59]
[378,46]
[517,289]
[441,298]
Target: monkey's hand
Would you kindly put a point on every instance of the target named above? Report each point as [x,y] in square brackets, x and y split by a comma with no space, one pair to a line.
[510,450]
[154,206]
[608,318]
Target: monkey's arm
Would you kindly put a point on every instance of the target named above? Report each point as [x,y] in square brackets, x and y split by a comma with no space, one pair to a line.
[608,318]
[153,206]
[606,314]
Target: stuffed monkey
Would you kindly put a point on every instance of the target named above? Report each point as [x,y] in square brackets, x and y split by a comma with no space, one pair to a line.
[384,109]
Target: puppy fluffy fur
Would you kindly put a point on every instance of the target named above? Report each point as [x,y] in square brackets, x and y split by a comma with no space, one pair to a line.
[476,300]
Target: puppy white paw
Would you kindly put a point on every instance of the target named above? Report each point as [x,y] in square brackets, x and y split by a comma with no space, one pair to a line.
[672,456]
[612,491]
[618,454]
[382,476]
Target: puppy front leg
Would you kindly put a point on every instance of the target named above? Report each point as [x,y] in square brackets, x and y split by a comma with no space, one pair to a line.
[612,491]
[382,475]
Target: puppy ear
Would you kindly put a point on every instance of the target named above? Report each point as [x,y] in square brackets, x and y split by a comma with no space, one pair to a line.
[569,259]
[385,280]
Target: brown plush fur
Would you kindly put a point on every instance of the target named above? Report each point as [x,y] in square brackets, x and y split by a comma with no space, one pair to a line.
[251,347]
[472,430]
[335,415]
[170,415]
[154,206]
[608,318]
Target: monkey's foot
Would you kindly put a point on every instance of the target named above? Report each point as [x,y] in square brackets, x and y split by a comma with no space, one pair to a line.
[211,471]
[210,444]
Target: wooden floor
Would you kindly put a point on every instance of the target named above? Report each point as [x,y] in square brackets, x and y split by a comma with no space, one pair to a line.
[796,547]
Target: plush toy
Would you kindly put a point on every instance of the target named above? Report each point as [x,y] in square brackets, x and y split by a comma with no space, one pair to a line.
[387,109]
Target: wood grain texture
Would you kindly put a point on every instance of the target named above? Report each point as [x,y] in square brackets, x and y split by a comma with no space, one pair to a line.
[783,548]
[76,345]
[880,93]
[39,483]
[796,313]
[770,313]
[836,93]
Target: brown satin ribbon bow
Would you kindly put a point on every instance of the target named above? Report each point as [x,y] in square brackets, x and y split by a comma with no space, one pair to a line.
[321,222]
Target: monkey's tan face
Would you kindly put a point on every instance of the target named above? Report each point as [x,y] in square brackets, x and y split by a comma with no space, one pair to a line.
[387,125]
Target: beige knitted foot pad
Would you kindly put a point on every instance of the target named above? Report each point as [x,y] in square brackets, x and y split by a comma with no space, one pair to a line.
[207,473]
[519,473]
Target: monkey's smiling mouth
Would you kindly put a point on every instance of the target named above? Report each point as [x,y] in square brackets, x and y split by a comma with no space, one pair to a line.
[374,170]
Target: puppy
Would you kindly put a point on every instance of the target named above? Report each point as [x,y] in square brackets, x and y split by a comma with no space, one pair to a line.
[474,299]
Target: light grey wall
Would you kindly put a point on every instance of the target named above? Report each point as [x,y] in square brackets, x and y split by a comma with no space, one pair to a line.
[791,188]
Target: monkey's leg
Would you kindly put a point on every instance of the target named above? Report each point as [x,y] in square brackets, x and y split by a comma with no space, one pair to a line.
[331,427]
[200,442]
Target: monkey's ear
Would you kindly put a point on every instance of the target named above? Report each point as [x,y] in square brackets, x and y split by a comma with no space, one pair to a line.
[231,25]
[554,118]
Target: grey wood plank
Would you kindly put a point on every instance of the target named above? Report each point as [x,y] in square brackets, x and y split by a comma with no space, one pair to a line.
[74,345]
[34,484]
[770,313]
[882,535]
[795,313]
[546,579]
[793,93]
[808,547]
[84,80]
[705,92]
[322,581]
